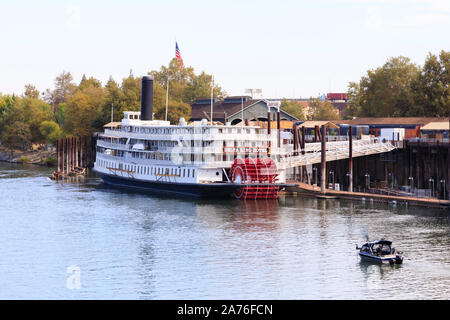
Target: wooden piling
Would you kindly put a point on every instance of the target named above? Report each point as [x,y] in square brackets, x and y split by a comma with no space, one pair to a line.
[76,152]
[67,155]
[279,128]
[57,155]
[323,162]
[73,153]
[81,151]
[350,160]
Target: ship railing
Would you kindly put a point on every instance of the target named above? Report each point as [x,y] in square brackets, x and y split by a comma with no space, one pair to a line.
[118,146]
[193,136]
[335,151]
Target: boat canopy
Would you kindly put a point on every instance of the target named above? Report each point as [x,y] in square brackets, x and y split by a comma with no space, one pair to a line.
[380,242]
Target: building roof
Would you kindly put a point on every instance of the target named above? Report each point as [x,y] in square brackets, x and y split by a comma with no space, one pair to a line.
[220,109]
[112,125]
[337,96]
[313,124]
[228,107]
[419,121]
[284,124]
[442,125]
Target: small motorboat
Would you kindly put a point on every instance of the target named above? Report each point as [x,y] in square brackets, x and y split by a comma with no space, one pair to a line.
[380,251]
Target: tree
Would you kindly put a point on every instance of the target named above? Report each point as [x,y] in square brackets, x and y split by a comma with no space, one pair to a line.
[64,87]
[386,91]
[293,108]
[199,86]
[17,136]
[354,105]
[323,110]
[184,88]
[176,110]
[31,92]
[430,88]
[83,110]
[51,131]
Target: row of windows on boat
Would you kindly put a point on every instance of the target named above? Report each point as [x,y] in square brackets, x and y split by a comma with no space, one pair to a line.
[159,155]
[148,170]
[156,143]
[148,144]
[167,131]
[186,157]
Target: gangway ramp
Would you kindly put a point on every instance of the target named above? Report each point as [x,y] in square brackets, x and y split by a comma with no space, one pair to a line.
[335,150]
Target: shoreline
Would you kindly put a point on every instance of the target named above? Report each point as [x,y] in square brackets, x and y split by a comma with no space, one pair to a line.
[36,157]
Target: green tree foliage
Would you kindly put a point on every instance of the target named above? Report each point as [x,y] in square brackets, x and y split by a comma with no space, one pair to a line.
[293,108]
[71,109]
[51,131]
[176,110]
[323,110]
[354,105]
[6,105]
[199,86]
[64,87]
[431,89]
[84,108]
[30,111]
[184,88]
[400,88]
[31,92]
[60,114]
[17,136]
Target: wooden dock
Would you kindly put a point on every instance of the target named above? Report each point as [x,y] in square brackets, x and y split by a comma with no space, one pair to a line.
[314,191]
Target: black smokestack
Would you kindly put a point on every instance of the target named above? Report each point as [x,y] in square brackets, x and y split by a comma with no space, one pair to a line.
[147,98]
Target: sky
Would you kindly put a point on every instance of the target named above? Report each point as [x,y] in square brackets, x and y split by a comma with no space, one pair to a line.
[289,49]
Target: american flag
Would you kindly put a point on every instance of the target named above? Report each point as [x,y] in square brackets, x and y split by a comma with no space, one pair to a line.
[177,53]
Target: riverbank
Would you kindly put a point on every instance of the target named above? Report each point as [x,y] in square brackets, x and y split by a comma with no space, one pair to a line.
[38,156]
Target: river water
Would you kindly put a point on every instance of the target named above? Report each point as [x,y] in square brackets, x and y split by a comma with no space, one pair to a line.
[83,240]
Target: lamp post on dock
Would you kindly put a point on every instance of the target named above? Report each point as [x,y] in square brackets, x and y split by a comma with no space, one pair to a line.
[432,190]
[443,182]
[332,173]
[367,180]
[412,183]
[392,180]
[315,175]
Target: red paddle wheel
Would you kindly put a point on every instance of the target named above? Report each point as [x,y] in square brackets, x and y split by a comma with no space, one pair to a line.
[261,174]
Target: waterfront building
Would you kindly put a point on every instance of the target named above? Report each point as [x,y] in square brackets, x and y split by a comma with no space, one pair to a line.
[233,109]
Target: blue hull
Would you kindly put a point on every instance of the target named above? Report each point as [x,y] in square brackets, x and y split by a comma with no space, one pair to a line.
[212,190]
[376,259]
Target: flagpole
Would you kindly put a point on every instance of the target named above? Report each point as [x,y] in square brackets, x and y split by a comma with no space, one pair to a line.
[167,97]
[212,87]
[242,110]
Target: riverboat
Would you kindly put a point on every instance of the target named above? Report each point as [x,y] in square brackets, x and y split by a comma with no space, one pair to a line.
[200,159]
